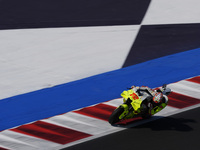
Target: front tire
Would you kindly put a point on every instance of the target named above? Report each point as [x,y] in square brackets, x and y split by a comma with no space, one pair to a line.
[114,117]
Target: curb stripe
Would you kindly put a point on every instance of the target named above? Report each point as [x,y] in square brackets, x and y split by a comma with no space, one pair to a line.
[195,79]
[186,88]
[1,148]
[100,111]
[115,102]
[25,141]
[80,123]
[12,143]
[181,101]
[51,132]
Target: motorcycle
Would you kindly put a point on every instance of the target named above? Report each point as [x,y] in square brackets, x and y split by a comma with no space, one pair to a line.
[131,108]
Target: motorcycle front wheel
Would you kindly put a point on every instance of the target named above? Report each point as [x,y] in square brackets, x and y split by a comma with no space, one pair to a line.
[114,117]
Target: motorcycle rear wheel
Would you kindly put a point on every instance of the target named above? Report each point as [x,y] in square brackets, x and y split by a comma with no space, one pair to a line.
[114,117]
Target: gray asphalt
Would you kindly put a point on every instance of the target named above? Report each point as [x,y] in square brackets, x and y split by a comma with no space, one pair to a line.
[177,132]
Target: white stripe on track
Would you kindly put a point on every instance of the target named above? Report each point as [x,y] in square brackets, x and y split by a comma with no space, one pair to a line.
[14,140]
[115,102]
[80,123]
[186,88]
[16,144]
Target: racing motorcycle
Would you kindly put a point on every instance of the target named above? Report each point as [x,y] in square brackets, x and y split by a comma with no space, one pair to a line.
[131,108]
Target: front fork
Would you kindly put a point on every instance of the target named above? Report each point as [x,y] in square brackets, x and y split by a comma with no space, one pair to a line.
[126,111]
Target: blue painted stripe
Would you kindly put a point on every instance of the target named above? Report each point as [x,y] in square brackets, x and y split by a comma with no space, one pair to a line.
[48,102]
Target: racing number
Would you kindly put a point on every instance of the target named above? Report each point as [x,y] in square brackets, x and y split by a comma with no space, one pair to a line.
[134,96]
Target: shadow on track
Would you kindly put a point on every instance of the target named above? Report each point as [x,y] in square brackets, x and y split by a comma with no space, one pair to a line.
[169,123]
[158,123]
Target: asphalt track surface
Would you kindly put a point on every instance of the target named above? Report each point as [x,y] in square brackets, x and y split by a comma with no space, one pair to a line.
[180,132]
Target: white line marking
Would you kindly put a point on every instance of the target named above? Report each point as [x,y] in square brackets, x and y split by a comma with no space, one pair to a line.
[16,144]
[186,88]
[20,141]
[80,123]
[115,102]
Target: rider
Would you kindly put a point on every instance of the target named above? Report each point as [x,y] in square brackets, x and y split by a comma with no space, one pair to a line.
[154,102]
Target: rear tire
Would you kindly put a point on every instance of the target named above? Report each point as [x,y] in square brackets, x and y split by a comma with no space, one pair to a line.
[114,117]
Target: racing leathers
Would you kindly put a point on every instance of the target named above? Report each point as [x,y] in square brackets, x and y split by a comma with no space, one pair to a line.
[153,101]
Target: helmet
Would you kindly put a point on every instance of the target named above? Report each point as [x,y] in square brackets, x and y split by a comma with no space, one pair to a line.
[158,97]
